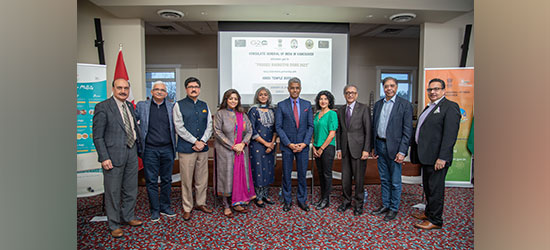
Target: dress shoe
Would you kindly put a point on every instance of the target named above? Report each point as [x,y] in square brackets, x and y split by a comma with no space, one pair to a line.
[358,211]
[258,204]
[268,201]
[205,209]
[380,210]
[342,208]
[117,233]
[390,215]
[168,213]
[323,204]
[135,223]
[420,216]
[186,215]
[427,225]
[303,206]
[287,206]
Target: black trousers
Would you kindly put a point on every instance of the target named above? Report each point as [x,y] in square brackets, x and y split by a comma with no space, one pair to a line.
[434,188]
[324,170]
[353,168]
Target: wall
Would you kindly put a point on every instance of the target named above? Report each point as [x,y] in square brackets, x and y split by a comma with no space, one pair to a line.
[198,57]
[440,46]
[129,32]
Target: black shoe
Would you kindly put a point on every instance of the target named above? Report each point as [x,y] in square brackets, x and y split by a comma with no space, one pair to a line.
[390,215]
[323,204]
[316,204]
[342,208]
[258,204]
[303,206]
[380,210]
[287,206]
[268,201]
[358,211]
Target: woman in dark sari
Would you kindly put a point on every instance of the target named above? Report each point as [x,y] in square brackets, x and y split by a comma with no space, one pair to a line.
[262,146]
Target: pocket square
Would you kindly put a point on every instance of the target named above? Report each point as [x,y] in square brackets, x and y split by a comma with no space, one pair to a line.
[305,110]
[437,111]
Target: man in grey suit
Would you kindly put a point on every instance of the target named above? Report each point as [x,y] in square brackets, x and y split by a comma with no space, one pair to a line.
[115,137]
[392,128]
[353,146]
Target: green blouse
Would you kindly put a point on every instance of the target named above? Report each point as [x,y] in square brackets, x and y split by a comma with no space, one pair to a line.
[328,122]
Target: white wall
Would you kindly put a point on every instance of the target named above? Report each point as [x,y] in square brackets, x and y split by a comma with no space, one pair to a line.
[129,32]
[440,46]
[198,57]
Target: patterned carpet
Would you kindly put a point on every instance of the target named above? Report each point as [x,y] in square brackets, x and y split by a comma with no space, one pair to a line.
[271,228]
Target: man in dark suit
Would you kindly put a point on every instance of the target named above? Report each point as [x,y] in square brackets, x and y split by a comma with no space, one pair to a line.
[432,146]
[116,134]
[294,125]
[353,140]
[157,127]
[392,129]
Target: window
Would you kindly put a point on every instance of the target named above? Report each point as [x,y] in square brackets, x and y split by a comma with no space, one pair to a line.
[405,79]
[168,76]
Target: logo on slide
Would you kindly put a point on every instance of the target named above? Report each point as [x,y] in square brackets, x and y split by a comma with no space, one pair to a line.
[240,43]
[294,43]
[323,44]
[309,44]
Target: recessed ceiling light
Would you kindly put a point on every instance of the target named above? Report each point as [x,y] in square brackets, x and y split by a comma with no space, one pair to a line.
[204,13]
[170,14]
[369,16]
[402,17]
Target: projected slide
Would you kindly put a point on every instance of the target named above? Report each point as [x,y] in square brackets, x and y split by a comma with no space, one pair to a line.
[272,61]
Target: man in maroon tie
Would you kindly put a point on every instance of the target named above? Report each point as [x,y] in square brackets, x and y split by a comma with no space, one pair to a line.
[294,125]
[353,141]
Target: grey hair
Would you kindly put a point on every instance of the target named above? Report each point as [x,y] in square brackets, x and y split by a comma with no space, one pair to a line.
[349,86]
[294,80]
[158,82]
[256,101]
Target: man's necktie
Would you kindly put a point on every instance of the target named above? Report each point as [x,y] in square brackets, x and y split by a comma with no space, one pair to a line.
[296,117]
[127,127]
[348,115]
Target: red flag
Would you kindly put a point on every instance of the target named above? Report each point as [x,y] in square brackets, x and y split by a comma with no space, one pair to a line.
[121,73]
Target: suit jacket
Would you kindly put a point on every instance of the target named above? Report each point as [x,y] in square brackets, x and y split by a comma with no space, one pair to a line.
[399,127]
[356,137]
[109,134]
[142,116]
[437,135]
[285,124]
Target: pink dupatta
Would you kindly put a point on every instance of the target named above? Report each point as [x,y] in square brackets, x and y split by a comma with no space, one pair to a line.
[243,188]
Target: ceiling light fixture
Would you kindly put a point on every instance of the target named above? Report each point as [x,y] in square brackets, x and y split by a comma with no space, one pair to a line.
[402,17]
[170,14]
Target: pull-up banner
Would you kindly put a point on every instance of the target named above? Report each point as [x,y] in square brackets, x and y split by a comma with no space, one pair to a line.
[91,88]
[460,89]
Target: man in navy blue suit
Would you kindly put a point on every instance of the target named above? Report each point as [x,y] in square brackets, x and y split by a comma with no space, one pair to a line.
[294,125]
[392,128]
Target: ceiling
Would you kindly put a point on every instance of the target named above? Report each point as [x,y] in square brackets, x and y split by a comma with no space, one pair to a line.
[367,18]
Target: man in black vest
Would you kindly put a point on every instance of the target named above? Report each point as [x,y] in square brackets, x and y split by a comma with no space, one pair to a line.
[193,124]
[432,146]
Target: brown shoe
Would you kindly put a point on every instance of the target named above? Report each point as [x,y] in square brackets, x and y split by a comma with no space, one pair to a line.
[117,233]
[426,225]
[135,223]
[187,215]
[420,216]
[227,212]
[240,209]
[205,209]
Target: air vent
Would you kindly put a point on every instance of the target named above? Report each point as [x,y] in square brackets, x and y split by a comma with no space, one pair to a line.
[166,28]
[402,17]
[391,31]
[170,14]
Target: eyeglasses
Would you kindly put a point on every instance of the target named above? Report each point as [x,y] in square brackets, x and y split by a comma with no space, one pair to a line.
[193,87]
[161,90]
[433,89]
[350,93]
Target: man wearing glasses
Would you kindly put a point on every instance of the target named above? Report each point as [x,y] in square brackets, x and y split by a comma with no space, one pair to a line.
[157,127]
[353,146]
[193,124]
[432,146]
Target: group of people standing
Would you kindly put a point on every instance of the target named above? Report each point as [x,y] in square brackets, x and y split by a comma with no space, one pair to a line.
[245,148]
